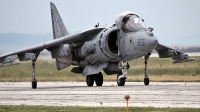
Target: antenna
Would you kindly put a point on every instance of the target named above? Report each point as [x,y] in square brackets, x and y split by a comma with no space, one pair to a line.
[97,25]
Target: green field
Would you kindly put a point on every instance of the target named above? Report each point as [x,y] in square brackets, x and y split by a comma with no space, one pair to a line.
[159,70]
[91,109]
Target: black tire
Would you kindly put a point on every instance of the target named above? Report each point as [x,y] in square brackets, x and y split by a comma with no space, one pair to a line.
[99,79]
[121,82]
[146,81]
[34,84]
[90,80]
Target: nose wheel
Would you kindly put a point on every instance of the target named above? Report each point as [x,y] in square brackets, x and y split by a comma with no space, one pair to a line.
[121,78]
[120,81]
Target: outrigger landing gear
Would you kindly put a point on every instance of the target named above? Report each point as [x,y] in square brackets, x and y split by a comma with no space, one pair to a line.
[121,78]
[34,81]
[146,77]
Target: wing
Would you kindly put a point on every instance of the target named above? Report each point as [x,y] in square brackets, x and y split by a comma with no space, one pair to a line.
[56,46]
[177,56]
[32,52]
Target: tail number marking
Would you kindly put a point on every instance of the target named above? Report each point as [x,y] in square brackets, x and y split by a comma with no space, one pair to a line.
[141,42]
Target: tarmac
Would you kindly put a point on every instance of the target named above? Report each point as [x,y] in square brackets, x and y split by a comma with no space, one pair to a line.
[157,94]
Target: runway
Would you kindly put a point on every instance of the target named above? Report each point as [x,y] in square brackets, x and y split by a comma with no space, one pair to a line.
[157,94]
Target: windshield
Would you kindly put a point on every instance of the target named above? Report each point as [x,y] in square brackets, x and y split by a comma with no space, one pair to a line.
[134,23]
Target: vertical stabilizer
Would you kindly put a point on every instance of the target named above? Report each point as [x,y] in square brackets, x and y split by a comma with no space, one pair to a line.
[58,26]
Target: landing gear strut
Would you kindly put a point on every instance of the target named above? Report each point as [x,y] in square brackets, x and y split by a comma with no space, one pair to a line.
[146,78]
[121,78]
[34,81]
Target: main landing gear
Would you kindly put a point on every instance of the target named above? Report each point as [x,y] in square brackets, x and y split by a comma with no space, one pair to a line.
[146,78]
[97,78]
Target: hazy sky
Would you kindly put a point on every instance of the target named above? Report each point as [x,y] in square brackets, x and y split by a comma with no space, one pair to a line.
[175,22]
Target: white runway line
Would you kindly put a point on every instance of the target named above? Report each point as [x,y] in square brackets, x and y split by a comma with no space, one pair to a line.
[161,94]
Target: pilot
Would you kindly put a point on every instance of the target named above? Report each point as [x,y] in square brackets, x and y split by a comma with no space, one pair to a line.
[129,22]
[122,19]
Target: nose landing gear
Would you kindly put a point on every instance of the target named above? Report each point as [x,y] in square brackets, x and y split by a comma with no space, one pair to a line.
[121,78]
[120,81]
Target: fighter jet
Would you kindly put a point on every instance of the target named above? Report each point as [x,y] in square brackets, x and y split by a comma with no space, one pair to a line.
[108,48]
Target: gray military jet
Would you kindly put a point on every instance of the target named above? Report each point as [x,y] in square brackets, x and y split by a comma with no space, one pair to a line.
[107,48]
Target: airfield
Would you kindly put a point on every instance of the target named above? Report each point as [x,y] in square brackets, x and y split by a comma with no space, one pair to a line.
[157,94]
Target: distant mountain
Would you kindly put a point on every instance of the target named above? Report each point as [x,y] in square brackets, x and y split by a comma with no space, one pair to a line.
[14,41]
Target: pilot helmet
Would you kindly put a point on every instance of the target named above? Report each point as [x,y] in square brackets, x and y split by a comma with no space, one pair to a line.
[119,20]
[129,22]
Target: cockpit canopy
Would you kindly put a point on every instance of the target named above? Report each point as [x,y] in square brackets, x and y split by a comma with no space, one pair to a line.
[130,22]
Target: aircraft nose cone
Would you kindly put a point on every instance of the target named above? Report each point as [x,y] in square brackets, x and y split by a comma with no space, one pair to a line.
[151,39]
[146,41]
[155,42]
[152,42]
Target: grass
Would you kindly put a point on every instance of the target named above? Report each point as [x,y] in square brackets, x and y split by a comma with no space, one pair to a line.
[159,70]
[23,108]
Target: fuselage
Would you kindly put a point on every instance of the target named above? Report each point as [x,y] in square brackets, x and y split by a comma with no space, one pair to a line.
[125,40]
[114,45]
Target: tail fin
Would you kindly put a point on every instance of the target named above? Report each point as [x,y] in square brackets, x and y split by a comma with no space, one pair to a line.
[58,26]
